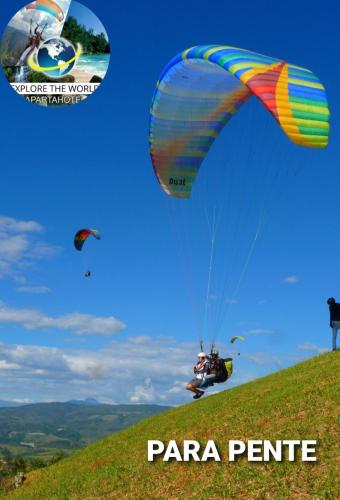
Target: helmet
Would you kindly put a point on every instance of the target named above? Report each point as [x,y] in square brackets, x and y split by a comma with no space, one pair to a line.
[201,355]
[331,300]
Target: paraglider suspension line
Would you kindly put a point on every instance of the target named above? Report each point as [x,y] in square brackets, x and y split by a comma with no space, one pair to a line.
[213,231]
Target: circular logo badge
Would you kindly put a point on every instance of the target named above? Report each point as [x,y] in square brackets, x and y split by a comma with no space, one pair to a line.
[55,52]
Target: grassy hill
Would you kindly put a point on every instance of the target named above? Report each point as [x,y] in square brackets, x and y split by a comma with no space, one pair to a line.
[297,403]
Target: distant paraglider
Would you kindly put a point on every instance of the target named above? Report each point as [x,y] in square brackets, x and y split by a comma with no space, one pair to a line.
[81,237]
[237,337]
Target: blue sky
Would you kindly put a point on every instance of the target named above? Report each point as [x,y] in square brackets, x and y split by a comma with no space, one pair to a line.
[128,334]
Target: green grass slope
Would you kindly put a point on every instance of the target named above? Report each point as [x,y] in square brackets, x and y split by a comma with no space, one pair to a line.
[297,403]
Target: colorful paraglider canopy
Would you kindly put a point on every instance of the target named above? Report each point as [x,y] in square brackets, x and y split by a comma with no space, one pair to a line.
[203,87]
[236,337]
[49,7]
[82,235]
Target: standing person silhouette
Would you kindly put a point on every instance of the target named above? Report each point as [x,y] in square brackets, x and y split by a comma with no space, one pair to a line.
[334,319]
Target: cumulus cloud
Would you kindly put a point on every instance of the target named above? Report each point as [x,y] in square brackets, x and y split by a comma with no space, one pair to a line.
[231,301]
[5,365]
[80,324]
[263,358]
[259,331]
[134,370]
[12,225]
[40,289]
[290,280]
[143,393]
[21,246]
[308,346]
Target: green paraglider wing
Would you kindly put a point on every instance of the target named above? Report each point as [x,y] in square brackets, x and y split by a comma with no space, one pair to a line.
[203,87]
[236,337]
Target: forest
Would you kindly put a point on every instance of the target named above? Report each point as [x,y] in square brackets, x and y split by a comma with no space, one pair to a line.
[91,43]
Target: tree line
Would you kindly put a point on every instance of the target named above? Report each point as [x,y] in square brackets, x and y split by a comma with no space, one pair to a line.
[91,43]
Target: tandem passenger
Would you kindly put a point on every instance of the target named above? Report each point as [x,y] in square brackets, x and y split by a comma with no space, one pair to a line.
[201,369]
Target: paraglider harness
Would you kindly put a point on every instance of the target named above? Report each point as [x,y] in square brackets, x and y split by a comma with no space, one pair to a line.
[223,368]
[220,369]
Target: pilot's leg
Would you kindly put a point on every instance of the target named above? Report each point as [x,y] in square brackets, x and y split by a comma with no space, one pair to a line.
[335,331]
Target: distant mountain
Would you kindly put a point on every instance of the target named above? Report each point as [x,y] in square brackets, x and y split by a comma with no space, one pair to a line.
[10,404]
[65,426]
[84,402]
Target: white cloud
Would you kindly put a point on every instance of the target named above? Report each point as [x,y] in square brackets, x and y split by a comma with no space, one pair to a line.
[259,331]
[231,301]
[12,225]
[290,280]
[21,246]
[85,366]
[145,393]
[80,324]
[34,289]
[12,247]
[5,365]
[135,370]
[177,388]
[307,346]
[263,358]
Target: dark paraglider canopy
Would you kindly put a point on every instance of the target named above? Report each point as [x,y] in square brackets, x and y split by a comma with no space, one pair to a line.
[82,235]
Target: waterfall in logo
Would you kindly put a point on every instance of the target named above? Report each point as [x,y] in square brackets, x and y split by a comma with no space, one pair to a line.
[21,74]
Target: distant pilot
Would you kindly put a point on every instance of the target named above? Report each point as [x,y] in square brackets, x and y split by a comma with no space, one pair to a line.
[87,274]
[334,318]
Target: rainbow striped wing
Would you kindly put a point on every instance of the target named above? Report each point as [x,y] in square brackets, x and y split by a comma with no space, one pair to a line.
[49,7]
[82,235]
[203,87]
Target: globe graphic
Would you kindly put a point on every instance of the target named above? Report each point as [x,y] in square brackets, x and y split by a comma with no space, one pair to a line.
[56,52]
